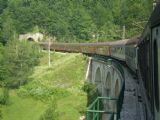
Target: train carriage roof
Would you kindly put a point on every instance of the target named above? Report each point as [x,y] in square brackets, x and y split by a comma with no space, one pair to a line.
[133,41]
[113,43]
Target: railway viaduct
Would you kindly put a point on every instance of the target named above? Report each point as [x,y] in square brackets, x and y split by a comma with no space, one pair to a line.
[105,76]
[107,79]
[114,80]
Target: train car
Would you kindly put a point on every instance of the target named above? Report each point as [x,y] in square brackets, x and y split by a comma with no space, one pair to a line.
[127,51]
[131,53]
[118,49]
[155,46]
[149,61]
[86,48]
[123,50]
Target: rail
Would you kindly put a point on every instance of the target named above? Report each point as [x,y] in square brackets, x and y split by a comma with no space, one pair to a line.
[94,111]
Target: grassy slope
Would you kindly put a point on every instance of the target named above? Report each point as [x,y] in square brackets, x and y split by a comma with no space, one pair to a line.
[22,109]
[67,72]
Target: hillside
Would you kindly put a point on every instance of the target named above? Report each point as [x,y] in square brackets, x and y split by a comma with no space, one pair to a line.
[60,84]
[74,20]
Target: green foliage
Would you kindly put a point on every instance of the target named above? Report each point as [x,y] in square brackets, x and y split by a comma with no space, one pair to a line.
[62,81]
[75,20]
[91,91]
[36,100]
[8,27]
[58,81]
[42,92]
[3,5]
[17,63]
[22,108]
[135,15]
[4,99]
[51,112]
[1,115]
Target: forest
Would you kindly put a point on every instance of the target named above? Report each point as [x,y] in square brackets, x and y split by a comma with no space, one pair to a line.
[74,20]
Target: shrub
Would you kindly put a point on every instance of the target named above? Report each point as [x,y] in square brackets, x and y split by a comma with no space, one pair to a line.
[4,99]
[19,59]
[51,113]
[42,92]
[92,92]
[1,117]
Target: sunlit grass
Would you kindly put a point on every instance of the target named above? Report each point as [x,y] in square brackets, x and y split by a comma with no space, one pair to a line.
[67,71]
[22,108]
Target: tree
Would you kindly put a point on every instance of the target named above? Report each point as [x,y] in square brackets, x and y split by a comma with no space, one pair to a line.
[3,5]
[18,61]
[81,24]
[134,13]
[73,19]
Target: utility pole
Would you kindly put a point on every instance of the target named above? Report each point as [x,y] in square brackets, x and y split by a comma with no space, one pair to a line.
[49,53]
[97,37]
[124,32]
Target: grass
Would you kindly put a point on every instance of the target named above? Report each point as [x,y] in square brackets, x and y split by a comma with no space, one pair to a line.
[22,109]
[67,72]
[70,107]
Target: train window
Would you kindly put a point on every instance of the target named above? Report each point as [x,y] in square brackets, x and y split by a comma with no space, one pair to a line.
[156,84]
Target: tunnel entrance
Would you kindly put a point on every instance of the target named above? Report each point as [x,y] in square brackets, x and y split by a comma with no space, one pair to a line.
[30,39]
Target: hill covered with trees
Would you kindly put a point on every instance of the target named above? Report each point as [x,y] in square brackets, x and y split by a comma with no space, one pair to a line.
[74,20]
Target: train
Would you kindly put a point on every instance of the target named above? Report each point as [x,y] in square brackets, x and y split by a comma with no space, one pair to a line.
[149,61]
[123,50]
[140,54]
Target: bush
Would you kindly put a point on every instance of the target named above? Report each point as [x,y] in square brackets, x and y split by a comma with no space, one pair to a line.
[1,117]
[51,113]
[4,99]
[19,59]
[42,92]
[92,92]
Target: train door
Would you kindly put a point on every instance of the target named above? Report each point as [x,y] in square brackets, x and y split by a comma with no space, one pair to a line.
[156,70]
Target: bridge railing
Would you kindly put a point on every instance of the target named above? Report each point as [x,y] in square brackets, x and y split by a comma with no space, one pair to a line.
[95,111]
